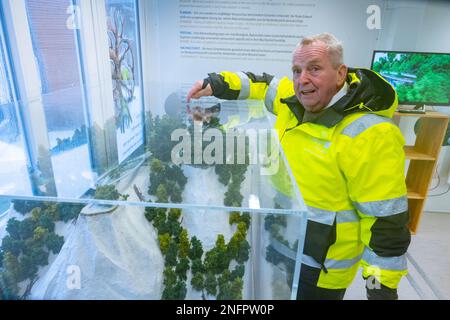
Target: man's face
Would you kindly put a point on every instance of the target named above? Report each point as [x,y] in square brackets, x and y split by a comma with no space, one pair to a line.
[316,81]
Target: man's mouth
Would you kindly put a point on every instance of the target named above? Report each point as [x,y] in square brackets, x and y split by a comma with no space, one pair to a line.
[306,92]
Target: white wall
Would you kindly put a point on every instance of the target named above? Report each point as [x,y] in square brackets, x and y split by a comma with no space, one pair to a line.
[347,19]
[409,25]
[434,35]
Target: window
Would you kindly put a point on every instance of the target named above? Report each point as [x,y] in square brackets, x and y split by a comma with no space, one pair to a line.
[13,160]
[55,50]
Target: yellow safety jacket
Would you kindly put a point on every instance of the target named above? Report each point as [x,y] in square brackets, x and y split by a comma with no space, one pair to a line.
[349,166]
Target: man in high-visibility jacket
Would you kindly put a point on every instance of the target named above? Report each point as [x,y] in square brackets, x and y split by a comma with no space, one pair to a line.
[348,160]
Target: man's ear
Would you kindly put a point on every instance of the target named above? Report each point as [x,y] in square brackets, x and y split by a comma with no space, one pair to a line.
[342,74]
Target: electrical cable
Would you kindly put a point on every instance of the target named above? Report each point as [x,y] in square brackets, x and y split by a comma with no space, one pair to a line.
[440,194]
[439,180]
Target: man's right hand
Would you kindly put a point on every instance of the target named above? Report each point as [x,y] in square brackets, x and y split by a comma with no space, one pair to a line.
[197,92]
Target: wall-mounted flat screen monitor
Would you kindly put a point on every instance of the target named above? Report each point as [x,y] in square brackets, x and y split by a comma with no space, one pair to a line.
[420,78]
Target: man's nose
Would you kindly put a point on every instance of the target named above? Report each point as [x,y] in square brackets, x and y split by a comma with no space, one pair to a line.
[303,78]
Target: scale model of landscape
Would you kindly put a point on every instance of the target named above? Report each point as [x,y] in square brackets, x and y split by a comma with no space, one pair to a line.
[78,251]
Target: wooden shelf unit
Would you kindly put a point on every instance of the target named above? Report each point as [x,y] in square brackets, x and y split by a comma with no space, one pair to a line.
[423,156]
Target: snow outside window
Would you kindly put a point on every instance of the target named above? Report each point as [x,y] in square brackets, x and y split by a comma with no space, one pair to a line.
[13,161]
[55,50]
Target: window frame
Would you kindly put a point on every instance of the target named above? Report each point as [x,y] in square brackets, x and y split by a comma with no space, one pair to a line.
[20,85]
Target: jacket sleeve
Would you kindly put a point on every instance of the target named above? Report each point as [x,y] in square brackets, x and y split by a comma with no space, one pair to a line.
[246,85]
[374,170]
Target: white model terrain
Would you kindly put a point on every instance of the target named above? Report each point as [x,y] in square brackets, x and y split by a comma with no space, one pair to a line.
[107,256]
[115,254]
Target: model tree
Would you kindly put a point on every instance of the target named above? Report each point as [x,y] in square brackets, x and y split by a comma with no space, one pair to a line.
[196,251]
[25,206]
[173,223]
[168,176]
[106,192]
[233,197]
[151,213]
[164,241]
[175,195]
[180,290]
[244,251]
[156,175]
[45,221]
[27,227]
[160,223]
[238,272]
[69,211]
[171,255]
[211,283]
[173,289]
[234,217]
[198,281]
[230,290]
[28,243]
[217,259]
[54,242]
[160,129]
[184,245]
[13,246]
[223,173]
[235,244]
[11,273]
[14,228]
[197,266]
[182,268]
[176,292]
[161,194]
[175,173]
[235,291]
[170,277]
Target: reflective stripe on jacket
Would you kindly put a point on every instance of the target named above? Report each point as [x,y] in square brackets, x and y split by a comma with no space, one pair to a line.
[349,166]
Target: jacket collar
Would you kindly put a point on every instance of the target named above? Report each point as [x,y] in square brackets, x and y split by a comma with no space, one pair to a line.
[367,92]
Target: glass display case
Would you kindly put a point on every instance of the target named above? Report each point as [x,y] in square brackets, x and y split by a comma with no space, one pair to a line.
[204,206]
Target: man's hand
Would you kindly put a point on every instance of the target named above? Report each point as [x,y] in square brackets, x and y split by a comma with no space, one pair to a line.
[196,91]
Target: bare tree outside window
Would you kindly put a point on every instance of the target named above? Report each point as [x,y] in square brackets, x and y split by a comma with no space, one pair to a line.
[122,67]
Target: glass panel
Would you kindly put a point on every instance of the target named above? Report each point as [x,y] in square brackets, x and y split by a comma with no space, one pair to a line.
[13,160]
[248,228]
[124,55]
[55,250]
[55,49]
[229,144]
[5,94]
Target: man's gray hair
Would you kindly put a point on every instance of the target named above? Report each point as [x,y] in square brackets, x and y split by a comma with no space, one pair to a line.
[334,46]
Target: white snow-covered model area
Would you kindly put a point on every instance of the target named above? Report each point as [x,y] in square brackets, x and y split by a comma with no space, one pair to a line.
[116,256]
[203,188]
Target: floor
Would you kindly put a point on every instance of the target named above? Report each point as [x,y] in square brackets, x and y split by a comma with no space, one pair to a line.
[430,250]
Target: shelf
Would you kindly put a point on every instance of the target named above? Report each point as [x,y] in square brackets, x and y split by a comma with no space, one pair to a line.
[423,156]
[415,195]
[413,154]
[428,114]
